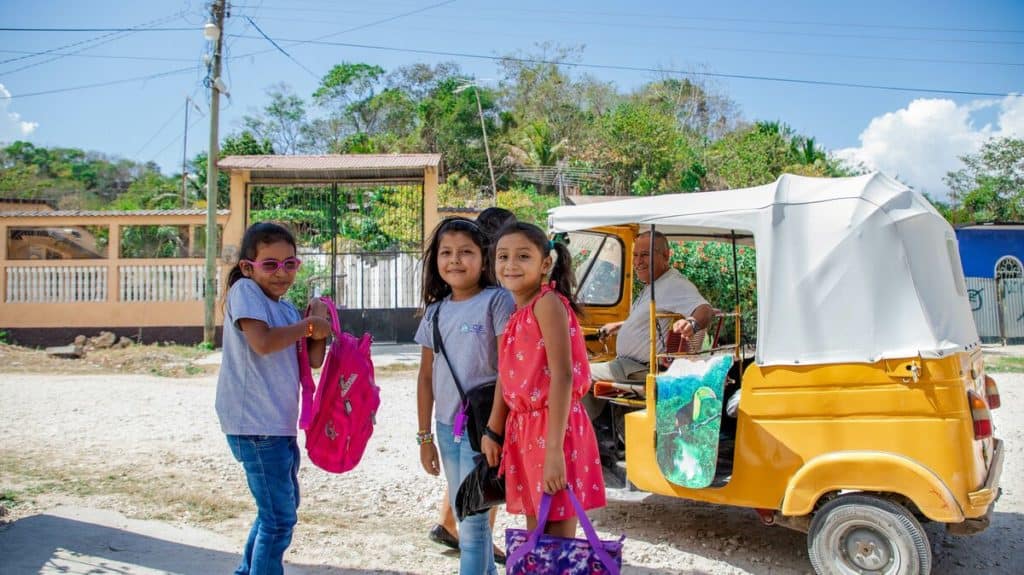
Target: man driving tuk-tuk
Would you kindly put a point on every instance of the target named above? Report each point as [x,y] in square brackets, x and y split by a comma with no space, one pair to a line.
[651,263]
[866,353]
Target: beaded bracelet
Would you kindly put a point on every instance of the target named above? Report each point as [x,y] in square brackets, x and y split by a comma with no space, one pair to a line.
[424,437]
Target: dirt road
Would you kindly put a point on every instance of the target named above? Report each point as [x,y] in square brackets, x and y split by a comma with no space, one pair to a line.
[150,448]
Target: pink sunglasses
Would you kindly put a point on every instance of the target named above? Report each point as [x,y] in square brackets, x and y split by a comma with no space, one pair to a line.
[271,266]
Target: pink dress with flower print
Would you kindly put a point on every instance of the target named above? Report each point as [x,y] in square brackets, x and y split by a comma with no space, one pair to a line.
[525,380]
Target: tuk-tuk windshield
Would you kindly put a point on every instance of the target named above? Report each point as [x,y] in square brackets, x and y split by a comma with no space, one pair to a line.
[597,260]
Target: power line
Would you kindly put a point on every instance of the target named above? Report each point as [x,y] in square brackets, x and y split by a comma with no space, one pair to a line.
[102,56]
[97,41]
[80,42]
[174,140]
[388,19]
[282,50]
[658,17]
[102,84]
[654,70]
[619,23]
[354,28]
[192,29]
[784,52]
[177,110]
[830,35]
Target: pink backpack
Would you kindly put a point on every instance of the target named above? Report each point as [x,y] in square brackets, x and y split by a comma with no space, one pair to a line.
[339,415]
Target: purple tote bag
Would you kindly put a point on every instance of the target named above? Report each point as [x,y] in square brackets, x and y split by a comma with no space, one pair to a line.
[536,553]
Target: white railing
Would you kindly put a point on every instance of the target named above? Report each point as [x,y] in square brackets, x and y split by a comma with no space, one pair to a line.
[56,284]
[379,281]
[143,283]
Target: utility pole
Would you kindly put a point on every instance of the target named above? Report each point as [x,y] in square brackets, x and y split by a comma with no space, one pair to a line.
[210,293]
[487,148]
[483,128]
[184,158]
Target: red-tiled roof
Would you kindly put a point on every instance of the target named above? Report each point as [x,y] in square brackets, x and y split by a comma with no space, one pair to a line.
[330,162]
[105,213]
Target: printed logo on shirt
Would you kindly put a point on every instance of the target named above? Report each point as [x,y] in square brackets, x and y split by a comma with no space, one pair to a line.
[477,328]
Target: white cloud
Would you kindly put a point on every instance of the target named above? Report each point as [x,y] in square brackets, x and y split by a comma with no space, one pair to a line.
[919,144]
[12,127]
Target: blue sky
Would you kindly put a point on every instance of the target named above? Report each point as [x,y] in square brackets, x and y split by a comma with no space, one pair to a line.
[957,59]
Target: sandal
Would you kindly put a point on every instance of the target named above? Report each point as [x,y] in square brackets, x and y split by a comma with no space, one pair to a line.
[441,536]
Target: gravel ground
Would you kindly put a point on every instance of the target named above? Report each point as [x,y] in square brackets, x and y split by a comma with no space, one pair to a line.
[150,448]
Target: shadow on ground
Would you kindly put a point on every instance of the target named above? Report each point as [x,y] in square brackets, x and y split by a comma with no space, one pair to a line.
[45,544]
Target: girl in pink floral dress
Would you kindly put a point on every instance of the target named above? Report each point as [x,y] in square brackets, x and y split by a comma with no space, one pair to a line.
[542,374]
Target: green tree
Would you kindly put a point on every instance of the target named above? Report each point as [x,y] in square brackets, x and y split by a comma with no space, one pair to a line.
[709,265]
[528,205]
[640,145]
[151,191]
[283,122]
[537,90]
[450,125]
[347,92]
[244,144]
[700,112]
[990,186]
[760,153]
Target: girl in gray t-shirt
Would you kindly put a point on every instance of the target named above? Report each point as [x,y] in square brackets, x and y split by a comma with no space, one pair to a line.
[258,386]
[458,280]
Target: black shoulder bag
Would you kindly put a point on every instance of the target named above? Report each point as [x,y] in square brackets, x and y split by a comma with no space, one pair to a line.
[476,404]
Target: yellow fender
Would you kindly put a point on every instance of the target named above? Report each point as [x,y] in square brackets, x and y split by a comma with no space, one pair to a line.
[870,471]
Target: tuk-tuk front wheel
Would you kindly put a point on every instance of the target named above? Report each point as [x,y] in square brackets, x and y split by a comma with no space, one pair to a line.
[860,534]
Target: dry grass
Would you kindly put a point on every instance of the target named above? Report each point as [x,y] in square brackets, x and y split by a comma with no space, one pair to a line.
[1004,364]
[160,360]
[169,496]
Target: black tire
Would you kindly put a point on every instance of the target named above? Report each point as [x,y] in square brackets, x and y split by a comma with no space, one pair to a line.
[860,534]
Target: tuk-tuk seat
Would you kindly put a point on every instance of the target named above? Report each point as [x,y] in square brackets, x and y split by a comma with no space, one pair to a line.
[676,347]
[633,394]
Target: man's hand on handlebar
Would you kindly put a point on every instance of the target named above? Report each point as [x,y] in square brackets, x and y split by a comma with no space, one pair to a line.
[608,329]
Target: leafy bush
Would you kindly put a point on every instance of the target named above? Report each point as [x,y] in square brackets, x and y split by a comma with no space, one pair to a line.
[709,265]
[306,278]
[527,204]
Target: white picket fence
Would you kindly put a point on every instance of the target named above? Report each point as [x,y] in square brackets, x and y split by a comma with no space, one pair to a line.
[163,282]
[377,280]
[56,284]
[136,283]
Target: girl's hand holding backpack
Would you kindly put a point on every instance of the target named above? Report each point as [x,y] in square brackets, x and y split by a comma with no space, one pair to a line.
[338,413]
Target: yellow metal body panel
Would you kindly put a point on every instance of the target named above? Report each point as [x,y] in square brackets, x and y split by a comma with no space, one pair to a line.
[804,431]
[876,471]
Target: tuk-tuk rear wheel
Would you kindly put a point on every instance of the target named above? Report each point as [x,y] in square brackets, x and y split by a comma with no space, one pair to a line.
[858,534]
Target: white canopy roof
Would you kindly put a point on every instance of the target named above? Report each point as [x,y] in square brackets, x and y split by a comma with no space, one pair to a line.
[848,269]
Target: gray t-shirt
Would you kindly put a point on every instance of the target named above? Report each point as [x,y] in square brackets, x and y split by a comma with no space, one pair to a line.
[257,394]
[469,330]
[675,294]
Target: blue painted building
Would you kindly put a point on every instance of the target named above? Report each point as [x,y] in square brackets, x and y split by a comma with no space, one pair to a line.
[992,250]
[992,256]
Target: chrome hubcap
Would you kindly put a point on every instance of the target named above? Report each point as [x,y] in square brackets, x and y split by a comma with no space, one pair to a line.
[866,550]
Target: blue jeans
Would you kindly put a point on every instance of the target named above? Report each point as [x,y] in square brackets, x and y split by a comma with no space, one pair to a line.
[271,466]
[476,552]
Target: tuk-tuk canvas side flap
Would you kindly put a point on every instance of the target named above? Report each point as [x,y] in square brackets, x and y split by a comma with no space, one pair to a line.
[849,270]
[937,273]
[837,289]
[688,408]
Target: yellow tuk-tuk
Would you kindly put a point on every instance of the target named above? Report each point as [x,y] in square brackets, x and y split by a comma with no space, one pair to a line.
[865,408]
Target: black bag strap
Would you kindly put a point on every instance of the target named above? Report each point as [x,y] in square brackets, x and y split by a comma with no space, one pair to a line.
[439,346]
